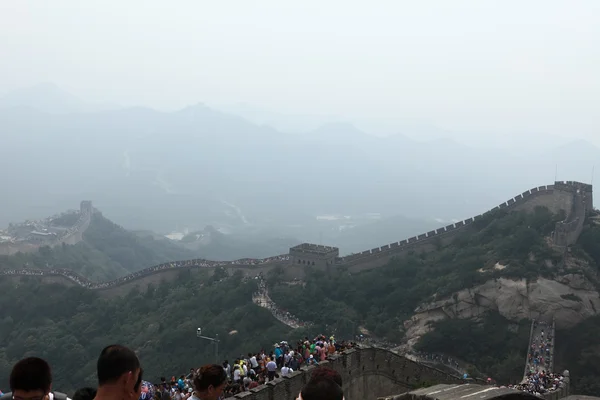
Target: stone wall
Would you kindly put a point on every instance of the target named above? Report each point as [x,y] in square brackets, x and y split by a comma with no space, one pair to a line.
[158,273]
[72,236]
[527,201]
[367,373]
[572,197]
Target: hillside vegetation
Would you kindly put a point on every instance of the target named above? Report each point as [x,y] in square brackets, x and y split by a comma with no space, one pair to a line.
[160,322]
[384,297]
[69,327]
[107,252]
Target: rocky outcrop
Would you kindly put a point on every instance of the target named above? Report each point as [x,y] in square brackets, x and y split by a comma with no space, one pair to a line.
[569,299]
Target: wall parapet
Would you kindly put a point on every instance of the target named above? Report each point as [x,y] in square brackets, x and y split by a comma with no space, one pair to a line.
[382,370]
[414,242]
[196,263]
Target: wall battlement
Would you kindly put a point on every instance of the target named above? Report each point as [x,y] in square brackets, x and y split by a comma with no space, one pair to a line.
[313,254]
[573,198]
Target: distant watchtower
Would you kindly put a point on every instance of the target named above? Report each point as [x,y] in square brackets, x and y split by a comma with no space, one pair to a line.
[313,254]
[86,207]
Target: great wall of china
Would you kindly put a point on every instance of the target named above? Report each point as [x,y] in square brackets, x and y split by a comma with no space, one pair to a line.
[71,236]
[575,199]
[374,371]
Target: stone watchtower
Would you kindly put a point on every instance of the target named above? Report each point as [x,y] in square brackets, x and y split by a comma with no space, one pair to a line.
[86,207]
[580,204]
[313,254]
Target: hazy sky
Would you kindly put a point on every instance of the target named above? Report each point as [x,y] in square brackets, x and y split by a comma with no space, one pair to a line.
[508,67]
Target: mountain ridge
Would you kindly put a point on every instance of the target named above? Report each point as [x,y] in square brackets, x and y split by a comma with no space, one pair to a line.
[555,197]
[258,168]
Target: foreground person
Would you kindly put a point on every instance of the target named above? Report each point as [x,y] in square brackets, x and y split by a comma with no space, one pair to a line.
[31,379]
[209,383]
[324,384]
[86,393]
[119,374]
[321,388]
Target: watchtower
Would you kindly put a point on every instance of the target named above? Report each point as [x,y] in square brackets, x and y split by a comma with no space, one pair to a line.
[86,207]
[313,254]
[581,202]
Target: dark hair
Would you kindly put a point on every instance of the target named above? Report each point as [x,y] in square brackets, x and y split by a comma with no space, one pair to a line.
[321,388]
[86,393]
[30,374]
[326,372]
[211,374]
[114,361]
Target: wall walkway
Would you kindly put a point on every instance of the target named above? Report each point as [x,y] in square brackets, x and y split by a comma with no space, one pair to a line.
[367,373]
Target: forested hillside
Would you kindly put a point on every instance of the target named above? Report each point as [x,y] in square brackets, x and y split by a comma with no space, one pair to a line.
[160,322]
[513,246]
[107,252]
[384,297]
[69,327]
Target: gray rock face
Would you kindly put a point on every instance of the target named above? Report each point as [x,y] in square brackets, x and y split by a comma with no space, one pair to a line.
[514,300]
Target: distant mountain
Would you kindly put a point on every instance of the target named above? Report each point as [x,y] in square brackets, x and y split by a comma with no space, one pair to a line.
[214,245]
[49,98]
[296,124]
[198,167]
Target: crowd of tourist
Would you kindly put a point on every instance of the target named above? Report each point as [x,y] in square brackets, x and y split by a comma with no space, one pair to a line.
[256,368]
[539,357]
[118,367]
[540,382]
[200,263]
[121,376]
[49,271]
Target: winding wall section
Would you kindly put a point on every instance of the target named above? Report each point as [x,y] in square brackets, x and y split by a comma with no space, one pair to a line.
[574,198]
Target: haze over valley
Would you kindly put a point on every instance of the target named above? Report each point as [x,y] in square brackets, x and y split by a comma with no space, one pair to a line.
[327,199]
[198,167]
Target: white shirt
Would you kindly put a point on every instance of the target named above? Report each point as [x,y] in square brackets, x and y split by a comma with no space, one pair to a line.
[236,374]
[285,371]
[253,362]
[51,396]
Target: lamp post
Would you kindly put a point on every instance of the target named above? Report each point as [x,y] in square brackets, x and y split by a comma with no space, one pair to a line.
[215,340]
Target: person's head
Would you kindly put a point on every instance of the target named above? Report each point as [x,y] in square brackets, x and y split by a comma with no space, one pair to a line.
[31,379]
[119,372]
[326,372]
[210,382]
[321,388]
[86,393]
